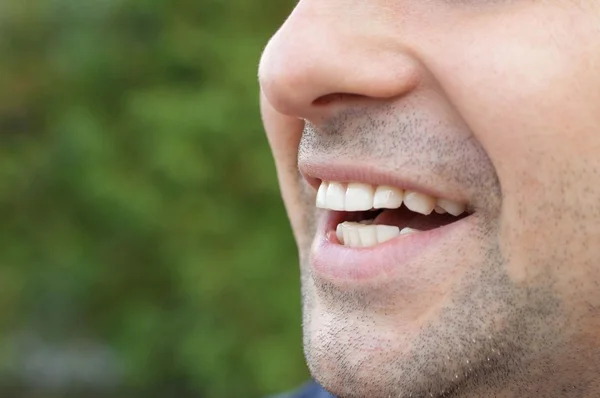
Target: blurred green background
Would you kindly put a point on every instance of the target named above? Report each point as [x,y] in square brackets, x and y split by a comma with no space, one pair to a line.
[144,246]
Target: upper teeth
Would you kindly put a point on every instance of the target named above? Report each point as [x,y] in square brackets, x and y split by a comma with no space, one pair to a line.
[359,197]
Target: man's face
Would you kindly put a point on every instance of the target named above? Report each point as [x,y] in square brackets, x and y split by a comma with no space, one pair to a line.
[486,109]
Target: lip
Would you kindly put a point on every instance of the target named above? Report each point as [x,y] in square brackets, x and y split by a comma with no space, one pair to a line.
[315,173]
[402,257]
[340,264]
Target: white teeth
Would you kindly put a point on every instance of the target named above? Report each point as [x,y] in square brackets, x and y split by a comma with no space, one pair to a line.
[336,196]
[386,232]
[322,195]
[451,207]
[346,235]
[353,236]
[359,197]
[387,197]
[339,233]
[419,203]
[408,231]
[368,235]
[360,235]
[439,210]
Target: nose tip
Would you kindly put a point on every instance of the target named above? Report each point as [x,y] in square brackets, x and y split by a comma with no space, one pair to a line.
[315,56]
[291,75]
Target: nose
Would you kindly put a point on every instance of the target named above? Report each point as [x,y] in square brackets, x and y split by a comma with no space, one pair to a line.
[322,55]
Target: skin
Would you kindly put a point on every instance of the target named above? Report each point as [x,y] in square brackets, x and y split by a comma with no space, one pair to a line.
[496,102]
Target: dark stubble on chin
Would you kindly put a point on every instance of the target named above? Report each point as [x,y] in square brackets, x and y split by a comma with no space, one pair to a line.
[493,336]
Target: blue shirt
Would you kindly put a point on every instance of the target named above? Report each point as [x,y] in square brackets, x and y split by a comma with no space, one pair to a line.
[309,390]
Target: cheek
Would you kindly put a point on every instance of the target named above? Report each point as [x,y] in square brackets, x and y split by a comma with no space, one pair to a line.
[283,134]
[533,92]
[532,98]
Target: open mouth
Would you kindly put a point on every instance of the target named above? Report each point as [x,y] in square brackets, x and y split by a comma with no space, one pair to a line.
[365,215]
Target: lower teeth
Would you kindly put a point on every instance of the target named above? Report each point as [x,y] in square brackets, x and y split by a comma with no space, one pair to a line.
[365,234]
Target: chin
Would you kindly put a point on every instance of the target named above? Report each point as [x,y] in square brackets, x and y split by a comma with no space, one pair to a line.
[350,358]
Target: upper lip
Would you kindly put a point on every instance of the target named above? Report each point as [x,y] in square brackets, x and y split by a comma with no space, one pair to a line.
[316,172]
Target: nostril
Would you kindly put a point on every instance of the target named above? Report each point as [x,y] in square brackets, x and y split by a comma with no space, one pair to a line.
[335,97]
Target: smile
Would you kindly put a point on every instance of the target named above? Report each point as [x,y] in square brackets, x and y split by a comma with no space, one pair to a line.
[369,231]
[372,215]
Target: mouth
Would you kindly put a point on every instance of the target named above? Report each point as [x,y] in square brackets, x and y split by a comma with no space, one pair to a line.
[373,230]
[364,215]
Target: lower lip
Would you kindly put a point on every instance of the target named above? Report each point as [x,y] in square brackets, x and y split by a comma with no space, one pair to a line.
[337,263]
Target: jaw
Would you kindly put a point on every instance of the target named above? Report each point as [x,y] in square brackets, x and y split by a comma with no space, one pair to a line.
[532,286]
[361,343]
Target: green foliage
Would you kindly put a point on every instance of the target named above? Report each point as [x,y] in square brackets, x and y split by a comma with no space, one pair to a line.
[138,198]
